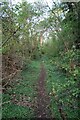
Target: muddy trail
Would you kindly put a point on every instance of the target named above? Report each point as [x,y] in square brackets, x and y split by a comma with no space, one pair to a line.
[43,100]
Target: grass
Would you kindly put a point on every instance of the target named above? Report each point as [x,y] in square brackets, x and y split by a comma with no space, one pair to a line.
[56,83]
[14,111]
[23,86]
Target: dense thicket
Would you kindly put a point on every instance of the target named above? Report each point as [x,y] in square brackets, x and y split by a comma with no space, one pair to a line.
[38,31]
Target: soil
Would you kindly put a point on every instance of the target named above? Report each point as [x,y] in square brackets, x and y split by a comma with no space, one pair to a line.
[43,100]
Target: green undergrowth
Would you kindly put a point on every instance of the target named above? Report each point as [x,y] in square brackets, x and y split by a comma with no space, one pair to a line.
[60,86]
[14,111]
[57,85]
[22,86]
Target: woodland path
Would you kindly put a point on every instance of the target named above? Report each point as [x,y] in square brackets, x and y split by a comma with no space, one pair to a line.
[31,95]
[43,99]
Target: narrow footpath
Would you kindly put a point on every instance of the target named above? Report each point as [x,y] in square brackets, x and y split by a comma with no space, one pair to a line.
[43,99]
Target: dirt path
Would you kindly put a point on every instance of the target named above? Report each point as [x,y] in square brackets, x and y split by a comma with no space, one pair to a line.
[43,100]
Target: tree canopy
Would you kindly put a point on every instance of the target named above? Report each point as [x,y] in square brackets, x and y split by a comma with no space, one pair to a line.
[40,32]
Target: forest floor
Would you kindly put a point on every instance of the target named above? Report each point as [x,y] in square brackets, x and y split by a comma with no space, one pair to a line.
[39,91]
[43,99]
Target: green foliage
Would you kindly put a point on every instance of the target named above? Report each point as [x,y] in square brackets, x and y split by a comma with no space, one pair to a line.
[52,47]
[12,111]
[64,88]
[23,27]
[24,86]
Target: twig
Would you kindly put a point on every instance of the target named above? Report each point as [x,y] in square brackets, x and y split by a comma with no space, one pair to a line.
[9,77]
[10,36]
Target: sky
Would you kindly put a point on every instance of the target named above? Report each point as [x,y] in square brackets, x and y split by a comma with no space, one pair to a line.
[49,2]
[32,1]
[16,1]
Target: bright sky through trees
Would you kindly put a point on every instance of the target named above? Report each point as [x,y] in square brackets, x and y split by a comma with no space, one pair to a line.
[32,1]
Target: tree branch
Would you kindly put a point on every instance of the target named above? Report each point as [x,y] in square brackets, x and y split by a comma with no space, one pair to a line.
[10,37]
